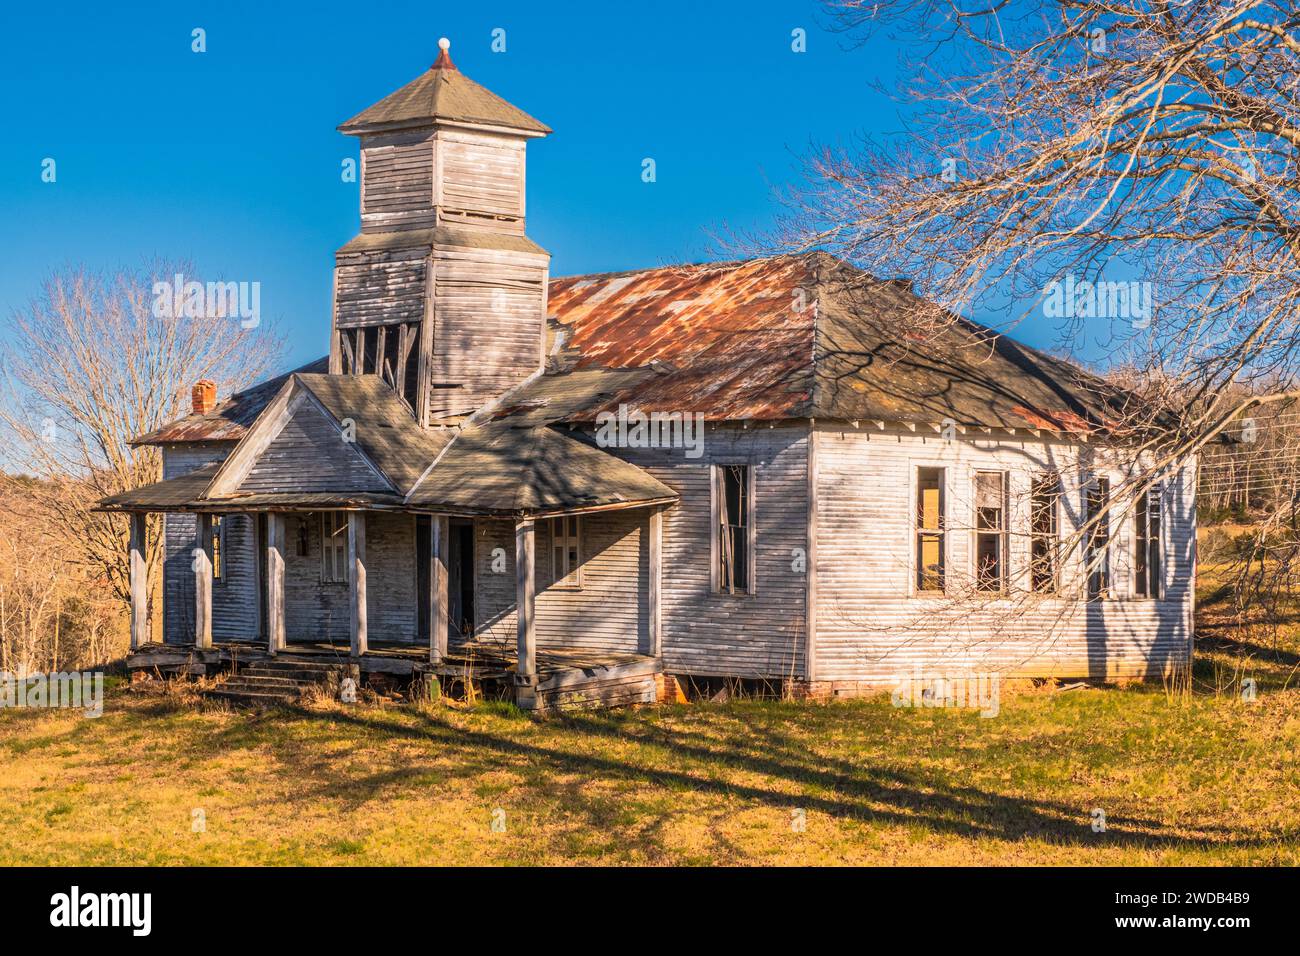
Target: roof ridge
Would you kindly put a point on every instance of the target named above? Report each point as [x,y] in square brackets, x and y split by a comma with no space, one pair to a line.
[720,265]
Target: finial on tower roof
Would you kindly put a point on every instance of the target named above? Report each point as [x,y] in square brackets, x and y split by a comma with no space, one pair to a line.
[444,57]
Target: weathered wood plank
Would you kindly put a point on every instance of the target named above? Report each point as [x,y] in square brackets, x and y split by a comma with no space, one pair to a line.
[139,582]
[357,579]
[275,604]
[439,599]
[525,599]
[202,580]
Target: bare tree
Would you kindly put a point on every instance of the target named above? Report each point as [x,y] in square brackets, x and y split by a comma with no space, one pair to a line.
[1123,169]
[1060,154]
[96,360]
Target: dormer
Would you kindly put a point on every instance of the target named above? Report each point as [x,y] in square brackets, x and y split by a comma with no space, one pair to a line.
[443,150]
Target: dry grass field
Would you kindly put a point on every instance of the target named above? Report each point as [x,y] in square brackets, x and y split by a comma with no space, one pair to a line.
[1183,778]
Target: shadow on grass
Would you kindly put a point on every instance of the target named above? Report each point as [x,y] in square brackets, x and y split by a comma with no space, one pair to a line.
[768,769]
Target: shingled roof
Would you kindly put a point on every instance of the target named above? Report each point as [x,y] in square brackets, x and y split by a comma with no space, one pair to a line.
[489,468]
[442,93]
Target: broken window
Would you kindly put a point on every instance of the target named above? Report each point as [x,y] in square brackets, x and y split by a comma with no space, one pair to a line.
[990,530]
[733,492]
[334,546]
[218,551]
[389,351]
[566,552]
[1146,518]
[1097,550]
[929,529]
[1044,494]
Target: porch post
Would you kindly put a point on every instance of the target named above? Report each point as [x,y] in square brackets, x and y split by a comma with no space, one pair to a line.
[439,605]
[656,579]
[139,583]
[274,582]
[203,580]
[357,576]
[526,672]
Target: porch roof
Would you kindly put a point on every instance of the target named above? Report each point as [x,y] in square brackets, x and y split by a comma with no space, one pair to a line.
[499,467]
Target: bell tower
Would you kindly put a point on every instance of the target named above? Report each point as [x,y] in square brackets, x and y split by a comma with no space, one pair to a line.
[441,294]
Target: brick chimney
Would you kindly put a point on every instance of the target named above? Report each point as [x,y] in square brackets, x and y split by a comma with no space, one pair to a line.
[203,397]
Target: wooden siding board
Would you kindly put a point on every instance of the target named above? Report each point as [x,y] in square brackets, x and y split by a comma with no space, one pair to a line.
[759,635]
[309,455]
[609,613]
[489,327]
[871,627]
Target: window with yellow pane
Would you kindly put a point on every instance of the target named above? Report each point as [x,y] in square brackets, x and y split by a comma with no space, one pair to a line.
[929,529]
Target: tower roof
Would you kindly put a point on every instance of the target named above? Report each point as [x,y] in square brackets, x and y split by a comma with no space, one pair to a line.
[442,93]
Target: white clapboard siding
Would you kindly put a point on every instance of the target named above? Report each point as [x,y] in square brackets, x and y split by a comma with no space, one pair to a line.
[871,626]
[318,610]
[481,180]
[234,597]
[380,289]
[310,455]
[489,324]
[397,173]
[610,612]
[758,635]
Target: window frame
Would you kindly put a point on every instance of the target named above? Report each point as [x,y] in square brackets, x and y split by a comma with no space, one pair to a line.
[571,580]
[1045,484]
[329,545]
[1002,533]
[1103,571]
[1147,573]
[717,497]
[217,548]
[914,506]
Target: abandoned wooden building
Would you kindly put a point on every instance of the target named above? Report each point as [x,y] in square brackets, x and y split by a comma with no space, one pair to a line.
[759,469]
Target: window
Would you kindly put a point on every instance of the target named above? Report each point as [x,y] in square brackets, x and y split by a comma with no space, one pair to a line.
[733,494]
[1146,539]
[218,539]
[1044,494]
[334,546]
[566,552]
[303,548]
[1097,550]
[990,530]
[929,529]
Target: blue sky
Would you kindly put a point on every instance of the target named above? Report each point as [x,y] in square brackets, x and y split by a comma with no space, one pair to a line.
[230,157]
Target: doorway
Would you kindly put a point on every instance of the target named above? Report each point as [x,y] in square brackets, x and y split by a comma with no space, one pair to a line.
[460,584]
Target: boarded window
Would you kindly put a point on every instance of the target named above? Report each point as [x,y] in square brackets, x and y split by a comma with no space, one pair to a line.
[929,529]
[1044,495]
[1097,549]
[990,530]
[566,552]
[734,492]
[1146,538]
[334,546]
[218,548]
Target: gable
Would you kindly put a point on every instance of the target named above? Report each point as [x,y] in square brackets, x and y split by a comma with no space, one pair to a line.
[309,454]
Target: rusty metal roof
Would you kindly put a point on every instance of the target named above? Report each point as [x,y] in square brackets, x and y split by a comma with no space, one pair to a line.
[231,418]
[769,339]
[731,340]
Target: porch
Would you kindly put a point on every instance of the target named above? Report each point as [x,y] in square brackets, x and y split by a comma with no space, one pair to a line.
[566,679]
[425,596]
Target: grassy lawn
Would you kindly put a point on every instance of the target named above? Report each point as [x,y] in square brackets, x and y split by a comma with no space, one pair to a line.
[1183,778]
[1193,779]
